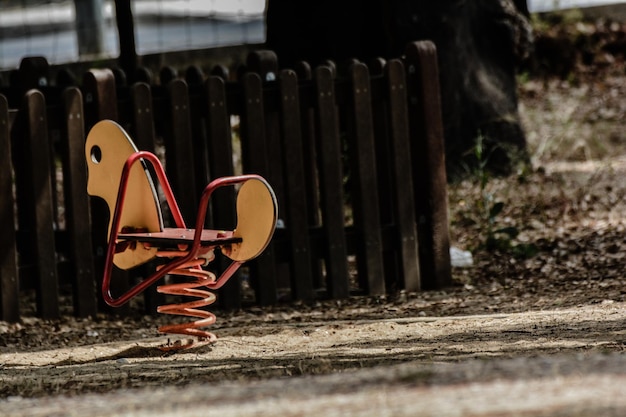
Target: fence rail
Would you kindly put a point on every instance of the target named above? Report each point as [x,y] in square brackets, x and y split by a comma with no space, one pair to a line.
[355,156]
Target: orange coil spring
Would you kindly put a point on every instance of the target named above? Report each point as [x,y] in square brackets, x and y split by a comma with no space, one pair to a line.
[193,308]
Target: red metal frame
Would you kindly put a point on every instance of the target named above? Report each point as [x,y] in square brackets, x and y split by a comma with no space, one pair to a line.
[193,249]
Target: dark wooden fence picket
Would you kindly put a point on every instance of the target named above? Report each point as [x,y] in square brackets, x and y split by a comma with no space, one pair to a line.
[386,202]
[179,153]
[9,282]
[219,152]
[364,181]
[331,185]
[143,117]
[100,95]
[295,202]
[255,159]
[404,214]
[264,63]
[429,171]
[355,155]
[77,212]
[101,102]
[33,177]
[220,164]
[144,136]
[311,179]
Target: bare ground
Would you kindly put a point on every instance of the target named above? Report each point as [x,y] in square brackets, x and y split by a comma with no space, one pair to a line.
[536,327]
[561,361]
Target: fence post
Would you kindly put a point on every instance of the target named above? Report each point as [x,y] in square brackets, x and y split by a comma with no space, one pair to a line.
[220,162]
[265,64]
[9,283]
[429,171]
[33,72]
[384,169]
[34,184]
[77,205]
[144,135]
[100,95]
[256,159]
[179,150]
[143,75]
[143,119]
[195,81]
[221,71]
[100,102]
[331,184]
[295,202]
[307,117]
[364,183]
[167,74]
[194,75]
[401,180]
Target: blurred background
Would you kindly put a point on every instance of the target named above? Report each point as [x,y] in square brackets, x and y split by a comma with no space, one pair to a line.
[67,31]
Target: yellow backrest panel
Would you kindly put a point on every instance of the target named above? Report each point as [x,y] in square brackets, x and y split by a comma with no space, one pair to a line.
[257,211]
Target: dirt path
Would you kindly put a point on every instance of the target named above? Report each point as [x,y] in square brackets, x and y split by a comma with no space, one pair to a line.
[556,362]
[584,385]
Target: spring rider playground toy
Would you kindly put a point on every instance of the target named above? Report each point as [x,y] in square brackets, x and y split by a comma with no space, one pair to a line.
[118,173]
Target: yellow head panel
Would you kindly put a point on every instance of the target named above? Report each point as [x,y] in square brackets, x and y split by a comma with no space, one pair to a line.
[107,148]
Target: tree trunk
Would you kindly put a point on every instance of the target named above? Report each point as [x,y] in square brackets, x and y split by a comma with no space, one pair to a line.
[89,27]
[126,33]
[479,43]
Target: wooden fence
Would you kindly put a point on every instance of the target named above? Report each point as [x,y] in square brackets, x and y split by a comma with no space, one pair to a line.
[355,155]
